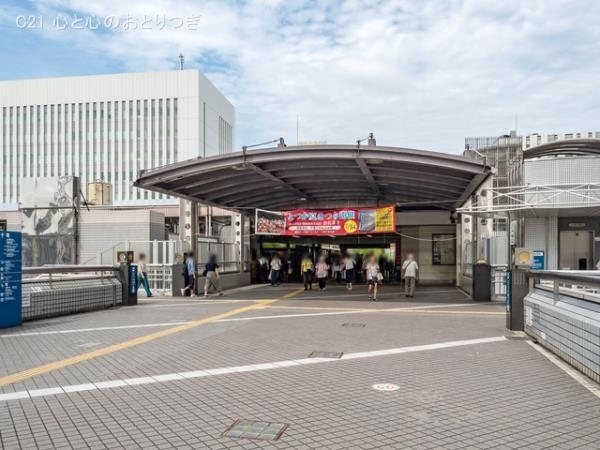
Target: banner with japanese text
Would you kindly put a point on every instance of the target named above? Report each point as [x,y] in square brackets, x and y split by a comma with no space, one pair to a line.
[339,222]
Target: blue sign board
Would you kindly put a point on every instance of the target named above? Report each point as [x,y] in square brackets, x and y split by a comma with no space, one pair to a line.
[133,279]
[539,260]
[508,290]
[10,279]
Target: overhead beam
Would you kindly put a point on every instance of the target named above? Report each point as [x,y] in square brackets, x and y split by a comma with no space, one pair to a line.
[277,180]
[364,168]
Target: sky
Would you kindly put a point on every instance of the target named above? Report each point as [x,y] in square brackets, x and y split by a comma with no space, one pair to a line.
[417,73]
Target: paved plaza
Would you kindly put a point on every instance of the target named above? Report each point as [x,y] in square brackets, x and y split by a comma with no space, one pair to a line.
[434,372]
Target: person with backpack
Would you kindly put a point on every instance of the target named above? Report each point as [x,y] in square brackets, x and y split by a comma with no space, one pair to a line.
[189,275]
[410,270]
[211,272]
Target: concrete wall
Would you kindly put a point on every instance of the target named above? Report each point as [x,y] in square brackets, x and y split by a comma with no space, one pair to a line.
[106,230]
[13,220]
[417,240]
[541,233]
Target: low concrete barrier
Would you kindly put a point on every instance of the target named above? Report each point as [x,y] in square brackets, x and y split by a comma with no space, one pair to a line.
[566,321]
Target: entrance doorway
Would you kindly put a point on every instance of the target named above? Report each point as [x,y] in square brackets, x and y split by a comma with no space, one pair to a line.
[576,250]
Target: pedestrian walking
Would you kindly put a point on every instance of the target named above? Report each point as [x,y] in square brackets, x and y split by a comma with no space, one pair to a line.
[263,269]
[373,274]
[349,263]
[143,274]
[189,275]
[275,270]
[306,267]
[211,272]
[410,270]
[321,272]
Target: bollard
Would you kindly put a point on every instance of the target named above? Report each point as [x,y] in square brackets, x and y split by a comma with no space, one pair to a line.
[517,287]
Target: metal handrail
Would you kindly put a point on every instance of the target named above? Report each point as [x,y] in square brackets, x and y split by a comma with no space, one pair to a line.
[50,269]
[558,277]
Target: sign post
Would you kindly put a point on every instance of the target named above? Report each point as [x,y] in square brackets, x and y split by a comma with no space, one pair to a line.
[10,279]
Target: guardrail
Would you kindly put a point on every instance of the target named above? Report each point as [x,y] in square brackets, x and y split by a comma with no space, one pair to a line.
[564,316]
[50,291]
[559,279]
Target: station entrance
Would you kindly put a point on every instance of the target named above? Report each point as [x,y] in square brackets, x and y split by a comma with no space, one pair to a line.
[422,189]
[433,246]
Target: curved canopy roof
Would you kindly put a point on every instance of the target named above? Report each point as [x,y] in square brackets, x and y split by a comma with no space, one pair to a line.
[321,176]
[575,147]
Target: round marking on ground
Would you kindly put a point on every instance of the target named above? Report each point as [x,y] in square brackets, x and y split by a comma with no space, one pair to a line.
[385,387]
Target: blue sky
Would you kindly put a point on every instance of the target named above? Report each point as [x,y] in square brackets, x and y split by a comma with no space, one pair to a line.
[418,73]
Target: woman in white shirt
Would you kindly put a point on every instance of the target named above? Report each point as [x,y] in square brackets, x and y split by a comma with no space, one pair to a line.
[372,273]
[275,270]
[349,264]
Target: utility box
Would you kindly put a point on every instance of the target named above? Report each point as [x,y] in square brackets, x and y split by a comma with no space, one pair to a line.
[482,283]
[517,287]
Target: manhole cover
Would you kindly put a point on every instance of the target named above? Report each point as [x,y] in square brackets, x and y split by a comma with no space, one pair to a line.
[354,325]
[385,387]
[250,429]
[332,355]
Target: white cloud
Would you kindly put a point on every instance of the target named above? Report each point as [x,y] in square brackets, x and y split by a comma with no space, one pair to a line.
[418,73]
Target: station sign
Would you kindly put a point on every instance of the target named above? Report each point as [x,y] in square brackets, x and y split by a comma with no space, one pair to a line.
[538,260]
[10,279]
[327,222]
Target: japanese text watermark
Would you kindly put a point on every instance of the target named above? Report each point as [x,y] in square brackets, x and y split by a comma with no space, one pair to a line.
[109,23]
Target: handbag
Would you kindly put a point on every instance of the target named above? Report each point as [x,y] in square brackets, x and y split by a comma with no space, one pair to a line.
[379,277]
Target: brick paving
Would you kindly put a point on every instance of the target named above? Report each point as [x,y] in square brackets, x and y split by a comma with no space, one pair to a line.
[491,395]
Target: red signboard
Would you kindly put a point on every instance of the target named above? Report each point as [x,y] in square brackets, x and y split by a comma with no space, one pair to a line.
[338,222]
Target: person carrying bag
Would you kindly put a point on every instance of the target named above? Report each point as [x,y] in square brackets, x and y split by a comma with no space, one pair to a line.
[410,270]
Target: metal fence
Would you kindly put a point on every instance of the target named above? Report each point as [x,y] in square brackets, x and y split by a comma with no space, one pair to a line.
[60,290]
[162,255]
[167,253]
[499,281]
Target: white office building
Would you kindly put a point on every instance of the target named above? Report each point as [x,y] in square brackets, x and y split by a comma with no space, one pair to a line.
[108,127]
[536,139]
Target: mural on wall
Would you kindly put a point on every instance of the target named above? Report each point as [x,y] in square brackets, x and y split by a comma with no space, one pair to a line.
[49,220]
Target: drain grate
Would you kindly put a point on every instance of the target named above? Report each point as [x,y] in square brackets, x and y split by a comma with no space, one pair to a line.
[354,325]
[250,429]
[332,355]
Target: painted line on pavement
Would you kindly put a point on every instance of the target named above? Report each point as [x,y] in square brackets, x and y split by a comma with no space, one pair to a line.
[403,308]
[56,365]
[86,330]
[428,309]
[569,370]
[381,294]
[164,378]
[417,310]
[200,301]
